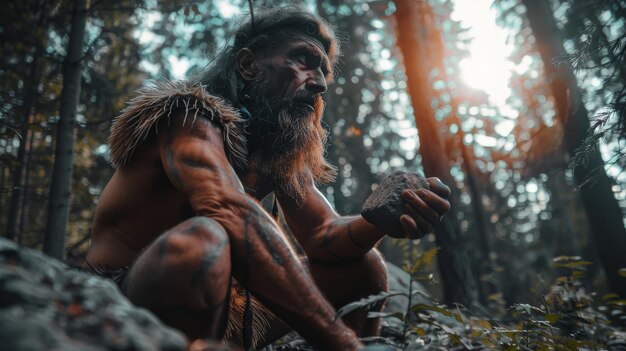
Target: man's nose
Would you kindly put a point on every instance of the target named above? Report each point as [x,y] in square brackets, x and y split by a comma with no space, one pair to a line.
[316,83]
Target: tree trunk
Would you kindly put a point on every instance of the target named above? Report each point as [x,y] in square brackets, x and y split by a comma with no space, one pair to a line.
[481,260]
[60,192]
[18,173]
[601,207]
[24,205]
[30,90]
[414,20]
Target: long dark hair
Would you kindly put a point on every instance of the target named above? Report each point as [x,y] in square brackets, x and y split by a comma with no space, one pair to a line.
[268,28]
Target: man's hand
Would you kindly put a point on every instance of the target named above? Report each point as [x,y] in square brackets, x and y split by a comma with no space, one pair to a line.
[407,205]
[424,208]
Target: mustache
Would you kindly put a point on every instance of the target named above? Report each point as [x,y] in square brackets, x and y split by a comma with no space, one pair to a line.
[306,97]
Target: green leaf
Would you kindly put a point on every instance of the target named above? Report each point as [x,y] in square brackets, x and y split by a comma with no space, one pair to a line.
[552,317]
[421,306]
[379,340]
[414,268]
[524,307]
[429,256]
[482,323]
[566,258]
[573,265]
[610,296]
[378,314]
[576,275]
[367,302]
[622,272]
[424,278]
[455,338]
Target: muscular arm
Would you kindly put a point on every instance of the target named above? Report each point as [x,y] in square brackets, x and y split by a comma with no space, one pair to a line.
[194,160]
[325,236]
[329,238]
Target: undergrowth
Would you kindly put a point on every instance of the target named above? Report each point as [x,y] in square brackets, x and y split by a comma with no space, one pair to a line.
[567,318]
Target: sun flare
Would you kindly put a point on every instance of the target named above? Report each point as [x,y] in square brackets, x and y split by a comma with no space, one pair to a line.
[487,67]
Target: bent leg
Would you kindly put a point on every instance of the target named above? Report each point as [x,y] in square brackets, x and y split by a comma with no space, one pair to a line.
[348,282]
[341,284]
[184,278]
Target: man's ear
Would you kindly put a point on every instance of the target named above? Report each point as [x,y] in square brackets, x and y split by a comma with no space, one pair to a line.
[245,64]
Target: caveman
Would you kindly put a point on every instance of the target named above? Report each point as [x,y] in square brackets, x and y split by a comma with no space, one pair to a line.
[180,228]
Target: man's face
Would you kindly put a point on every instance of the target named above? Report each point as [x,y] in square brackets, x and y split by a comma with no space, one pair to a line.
[299,70]
[287,92]
[286,136]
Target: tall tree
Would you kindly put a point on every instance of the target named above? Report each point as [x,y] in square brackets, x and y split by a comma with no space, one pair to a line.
[596,30]
[414,27]
[600,205]
[60,192]
[38,40]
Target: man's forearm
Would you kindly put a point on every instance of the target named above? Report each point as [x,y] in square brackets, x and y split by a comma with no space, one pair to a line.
[265,263]
[343,239]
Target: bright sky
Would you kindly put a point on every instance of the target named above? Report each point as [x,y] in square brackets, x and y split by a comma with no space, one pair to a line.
[487,67]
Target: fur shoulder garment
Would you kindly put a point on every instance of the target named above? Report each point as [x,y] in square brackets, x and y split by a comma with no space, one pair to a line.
[159,100]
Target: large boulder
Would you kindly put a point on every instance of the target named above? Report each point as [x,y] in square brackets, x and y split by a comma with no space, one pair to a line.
[45,305]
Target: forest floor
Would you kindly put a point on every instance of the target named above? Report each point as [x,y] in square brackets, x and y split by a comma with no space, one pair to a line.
[569,318]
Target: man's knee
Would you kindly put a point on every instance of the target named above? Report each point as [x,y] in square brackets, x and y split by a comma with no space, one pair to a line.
[197,243]
[350,281]
[375,272]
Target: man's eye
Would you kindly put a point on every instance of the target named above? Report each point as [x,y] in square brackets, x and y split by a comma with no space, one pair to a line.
[310,61]
[302,59]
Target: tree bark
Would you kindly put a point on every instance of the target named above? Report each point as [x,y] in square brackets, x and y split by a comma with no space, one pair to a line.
[24,205]
[601,207]
[414,21]
[28,102]
[60,191]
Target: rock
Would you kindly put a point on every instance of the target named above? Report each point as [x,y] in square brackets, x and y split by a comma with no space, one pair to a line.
[46,305]
[385,205]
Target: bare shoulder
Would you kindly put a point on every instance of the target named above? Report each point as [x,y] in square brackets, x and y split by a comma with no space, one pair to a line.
[195,158]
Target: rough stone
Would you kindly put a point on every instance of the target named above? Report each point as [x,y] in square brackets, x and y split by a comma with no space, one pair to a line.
[45,305]
[385,205]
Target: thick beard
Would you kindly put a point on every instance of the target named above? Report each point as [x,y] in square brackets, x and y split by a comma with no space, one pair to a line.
[288,145]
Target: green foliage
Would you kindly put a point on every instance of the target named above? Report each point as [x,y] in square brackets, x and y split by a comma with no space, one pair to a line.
[366,303]
[568,318]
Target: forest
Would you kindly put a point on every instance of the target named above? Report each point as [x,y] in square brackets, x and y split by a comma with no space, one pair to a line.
[519,106]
